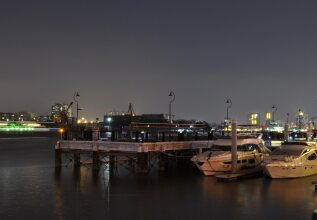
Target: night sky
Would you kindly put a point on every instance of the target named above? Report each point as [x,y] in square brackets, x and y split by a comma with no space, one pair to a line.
[257,53]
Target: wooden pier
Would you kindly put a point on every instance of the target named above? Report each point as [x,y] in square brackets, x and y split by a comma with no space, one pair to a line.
[139,156]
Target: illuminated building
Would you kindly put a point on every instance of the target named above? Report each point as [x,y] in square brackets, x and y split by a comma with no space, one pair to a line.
[17,116]
[149,127]
[301,120]
[254,119]
[57,109]
[268,118]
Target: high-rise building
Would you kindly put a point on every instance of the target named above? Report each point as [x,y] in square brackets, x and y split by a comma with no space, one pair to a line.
[301,120]
[254,118]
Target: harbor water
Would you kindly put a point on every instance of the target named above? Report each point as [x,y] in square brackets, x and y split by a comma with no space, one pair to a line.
[31,188]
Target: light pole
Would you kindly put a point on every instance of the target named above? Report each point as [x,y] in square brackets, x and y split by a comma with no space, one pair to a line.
[76,95]
[172,95]
[274,107]
[229,104]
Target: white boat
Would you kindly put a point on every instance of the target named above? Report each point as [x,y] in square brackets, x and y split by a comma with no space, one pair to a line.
[250,152]
[294,159]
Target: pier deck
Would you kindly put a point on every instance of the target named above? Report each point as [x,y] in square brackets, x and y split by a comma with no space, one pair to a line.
[103,146]
[140,155]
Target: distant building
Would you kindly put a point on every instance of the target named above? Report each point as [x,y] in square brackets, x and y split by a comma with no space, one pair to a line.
[151,127]
[17,116]
[57,109]
[301,120]
[8,116]
[254,119]
[26,116]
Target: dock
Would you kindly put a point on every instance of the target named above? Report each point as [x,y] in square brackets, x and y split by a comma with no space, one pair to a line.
[139,155]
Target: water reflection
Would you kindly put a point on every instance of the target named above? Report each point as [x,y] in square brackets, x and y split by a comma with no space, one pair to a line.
[29,182]
[58,200]
[80,191]
[190,195]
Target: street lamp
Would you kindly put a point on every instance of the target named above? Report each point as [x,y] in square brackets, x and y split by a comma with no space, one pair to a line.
[76,95]
[229,104]
[274,107]
[170,105]
[172,95]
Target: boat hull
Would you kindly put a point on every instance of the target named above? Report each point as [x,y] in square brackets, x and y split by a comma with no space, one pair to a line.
[213,167]
[291,171]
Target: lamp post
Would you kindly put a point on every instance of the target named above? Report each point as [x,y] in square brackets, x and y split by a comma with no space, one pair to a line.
[274,109]
[172,95]
[229,104]
[76,95]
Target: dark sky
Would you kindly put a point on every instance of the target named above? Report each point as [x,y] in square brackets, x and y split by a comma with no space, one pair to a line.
[257,53]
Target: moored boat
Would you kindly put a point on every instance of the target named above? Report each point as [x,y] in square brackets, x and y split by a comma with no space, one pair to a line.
[250,151]
[294,159]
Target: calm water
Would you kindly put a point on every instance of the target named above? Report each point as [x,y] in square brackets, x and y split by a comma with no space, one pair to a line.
[31,189]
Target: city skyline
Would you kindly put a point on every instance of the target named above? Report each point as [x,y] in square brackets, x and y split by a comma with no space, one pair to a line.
[257,54]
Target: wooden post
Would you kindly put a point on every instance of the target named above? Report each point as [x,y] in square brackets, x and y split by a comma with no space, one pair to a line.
[95,134]
[58,155]
[234,146]
[76,159]
[162,161]
[142,163]
[112,164]
[95,158]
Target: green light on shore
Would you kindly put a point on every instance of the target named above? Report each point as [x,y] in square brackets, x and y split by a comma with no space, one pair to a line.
[16,128]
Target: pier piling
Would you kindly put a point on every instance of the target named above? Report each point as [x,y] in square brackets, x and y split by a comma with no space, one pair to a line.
[142,163]
[95,160]
[162,161]
[77,159]
[112,164]
[58,155]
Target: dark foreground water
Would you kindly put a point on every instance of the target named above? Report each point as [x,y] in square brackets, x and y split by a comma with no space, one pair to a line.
[30,188]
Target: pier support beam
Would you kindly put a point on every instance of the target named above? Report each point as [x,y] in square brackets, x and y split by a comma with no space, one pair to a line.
[142,163]
[58,155]
[95,161]
[76,159]
[95,157]
[112,164]
[162,161]
[95,134]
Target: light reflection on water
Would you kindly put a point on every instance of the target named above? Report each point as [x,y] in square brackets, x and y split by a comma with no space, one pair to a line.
[30,187]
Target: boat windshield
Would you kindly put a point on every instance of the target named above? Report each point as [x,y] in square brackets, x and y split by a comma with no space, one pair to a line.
[244,147]
[288,152]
